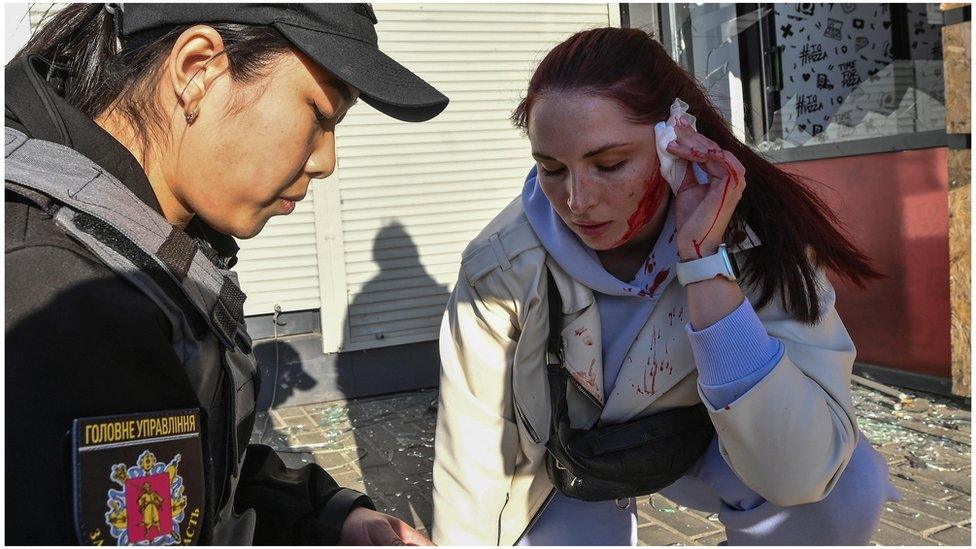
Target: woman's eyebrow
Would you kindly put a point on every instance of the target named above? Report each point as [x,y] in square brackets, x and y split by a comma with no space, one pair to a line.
[604,148]
[594,152]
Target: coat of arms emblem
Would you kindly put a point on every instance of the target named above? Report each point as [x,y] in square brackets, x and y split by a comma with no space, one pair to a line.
[138,479]
[149,506]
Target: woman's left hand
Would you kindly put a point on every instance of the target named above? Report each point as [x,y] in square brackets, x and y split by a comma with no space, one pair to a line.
[703,212]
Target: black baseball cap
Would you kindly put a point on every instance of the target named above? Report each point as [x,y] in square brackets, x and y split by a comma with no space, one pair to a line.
[339,37]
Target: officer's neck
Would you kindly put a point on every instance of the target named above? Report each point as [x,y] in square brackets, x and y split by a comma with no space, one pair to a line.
[152,160]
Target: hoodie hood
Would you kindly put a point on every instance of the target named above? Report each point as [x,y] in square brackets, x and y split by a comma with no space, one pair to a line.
[624,306]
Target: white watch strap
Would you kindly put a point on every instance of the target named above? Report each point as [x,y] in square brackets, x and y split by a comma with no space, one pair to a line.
[717,264]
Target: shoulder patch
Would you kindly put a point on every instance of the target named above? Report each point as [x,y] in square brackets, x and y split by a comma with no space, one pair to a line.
[138,479]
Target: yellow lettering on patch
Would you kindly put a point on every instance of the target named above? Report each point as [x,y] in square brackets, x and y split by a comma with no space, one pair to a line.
[191,529]
[113,431]
[124,431]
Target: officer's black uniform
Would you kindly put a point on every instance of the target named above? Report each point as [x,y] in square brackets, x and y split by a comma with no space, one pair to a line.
[82,342]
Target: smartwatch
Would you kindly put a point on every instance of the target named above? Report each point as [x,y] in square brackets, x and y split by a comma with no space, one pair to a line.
[718,264]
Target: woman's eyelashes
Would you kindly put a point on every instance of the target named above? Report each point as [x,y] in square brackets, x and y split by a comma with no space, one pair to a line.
[612,168]
[550,173]
[604,169]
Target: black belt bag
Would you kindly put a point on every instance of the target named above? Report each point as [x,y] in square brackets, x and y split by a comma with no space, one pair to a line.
[630,459]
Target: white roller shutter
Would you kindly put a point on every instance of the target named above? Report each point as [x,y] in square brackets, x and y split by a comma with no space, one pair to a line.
[280,266]
[411,196]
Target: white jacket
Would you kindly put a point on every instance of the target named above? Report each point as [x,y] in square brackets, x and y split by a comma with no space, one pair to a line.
[788,438]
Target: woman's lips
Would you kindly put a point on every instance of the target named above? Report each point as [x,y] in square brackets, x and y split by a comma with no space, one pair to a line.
[593,229]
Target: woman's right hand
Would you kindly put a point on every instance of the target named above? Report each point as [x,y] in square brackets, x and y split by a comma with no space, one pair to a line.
[703,212]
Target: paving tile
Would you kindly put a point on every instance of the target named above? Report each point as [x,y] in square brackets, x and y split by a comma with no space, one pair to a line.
[381,446]
[353,455]
[300,421]
[403,505]
[953,458]
[329,423]
[350,480]
[701,514]
[411,461]
[886,534]
[339,407]
[343,469]
[925,487]
[310,439]
[375,492]
[373,458]
[948,511]
[422,483]
[954,535]
[937,431]
[910,519]
[892,451]
[688,524]
[291,411]
[331,460]
[955,480]
[385,477]
[711,540]
[422,510]
[295,460]
[656,504]
[962,501]
[654,534]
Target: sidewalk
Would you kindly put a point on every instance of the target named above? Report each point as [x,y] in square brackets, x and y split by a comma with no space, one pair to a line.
[384,447]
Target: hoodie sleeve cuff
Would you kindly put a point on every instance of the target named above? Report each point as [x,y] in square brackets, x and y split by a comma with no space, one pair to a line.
[732,348]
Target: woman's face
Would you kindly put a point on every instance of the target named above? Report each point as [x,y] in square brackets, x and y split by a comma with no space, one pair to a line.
[254,148]
[599,170]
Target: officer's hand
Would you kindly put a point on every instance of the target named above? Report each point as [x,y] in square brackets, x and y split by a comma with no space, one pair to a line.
[366,527]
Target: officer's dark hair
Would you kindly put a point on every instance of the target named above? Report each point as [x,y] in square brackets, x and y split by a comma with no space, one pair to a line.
[97,73]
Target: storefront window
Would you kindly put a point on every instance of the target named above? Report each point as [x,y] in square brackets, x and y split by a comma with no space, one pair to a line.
[814,74]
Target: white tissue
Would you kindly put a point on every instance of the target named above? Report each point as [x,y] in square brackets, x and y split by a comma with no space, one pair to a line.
[673,168]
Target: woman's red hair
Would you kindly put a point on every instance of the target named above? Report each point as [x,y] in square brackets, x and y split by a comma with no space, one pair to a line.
[632,68]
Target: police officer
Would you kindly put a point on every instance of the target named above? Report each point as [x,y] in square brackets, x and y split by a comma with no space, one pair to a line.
[139,141]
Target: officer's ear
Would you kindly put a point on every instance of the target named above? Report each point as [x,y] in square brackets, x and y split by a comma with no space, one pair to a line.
[195,62]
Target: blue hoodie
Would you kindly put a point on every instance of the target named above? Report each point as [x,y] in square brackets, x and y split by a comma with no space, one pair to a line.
[732,355]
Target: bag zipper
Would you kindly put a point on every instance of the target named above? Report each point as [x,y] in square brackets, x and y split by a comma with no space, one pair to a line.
[528,427]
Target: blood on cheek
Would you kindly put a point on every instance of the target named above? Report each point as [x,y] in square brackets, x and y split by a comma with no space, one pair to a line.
[655,191]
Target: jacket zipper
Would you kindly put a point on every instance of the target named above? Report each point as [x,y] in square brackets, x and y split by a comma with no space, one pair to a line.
[586,393]
[528,427]
[498,541]
[535,518]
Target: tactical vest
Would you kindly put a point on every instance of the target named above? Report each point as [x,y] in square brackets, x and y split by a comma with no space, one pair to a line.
[202,300]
